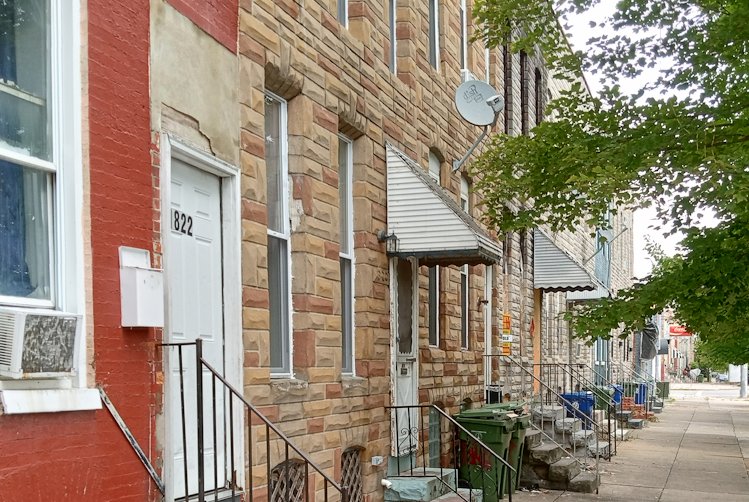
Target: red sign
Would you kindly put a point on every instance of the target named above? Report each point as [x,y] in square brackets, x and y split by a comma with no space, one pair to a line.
[678,331]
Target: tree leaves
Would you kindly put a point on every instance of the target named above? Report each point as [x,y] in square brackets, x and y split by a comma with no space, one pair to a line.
[678,143]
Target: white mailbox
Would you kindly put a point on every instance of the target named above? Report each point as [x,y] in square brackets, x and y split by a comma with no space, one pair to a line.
[141,290]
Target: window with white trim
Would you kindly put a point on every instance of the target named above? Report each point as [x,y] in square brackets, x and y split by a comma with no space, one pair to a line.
[343,12]
[434,33]
[434,272]
[279,234]
[487,65]
[346,255]
[392,22]
[463,36]
[464,293]
[28,165]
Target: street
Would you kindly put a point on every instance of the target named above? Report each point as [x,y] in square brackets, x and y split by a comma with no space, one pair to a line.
[697,451]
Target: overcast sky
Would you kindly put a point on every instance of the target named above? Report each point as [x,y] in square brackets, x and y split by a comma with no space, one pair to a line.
[643,218]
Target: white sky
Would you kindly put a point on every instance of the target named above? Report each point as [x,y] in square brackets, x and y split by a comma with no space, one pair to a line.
[643,219]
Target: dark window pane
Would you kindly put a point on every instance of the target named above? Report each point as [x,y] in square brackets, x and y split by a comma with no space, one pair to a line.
[24,69]
[434,305]
[24,232]
[347,332]
[278,286]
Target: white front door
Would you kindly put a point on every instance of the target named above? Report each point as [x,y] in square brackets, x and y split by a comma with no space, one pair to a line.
[405,423]
[195,282]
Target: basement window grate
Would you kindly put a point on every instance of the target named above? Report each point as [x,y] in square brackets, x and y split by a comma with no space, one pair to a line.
[351,473]
[287,482]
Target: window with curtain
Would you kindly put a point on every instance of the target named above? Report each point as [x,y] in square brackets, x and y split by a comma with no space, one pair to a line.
[392,20]
[434,33]
[346,256]
[464,293]
[27,166]
[279,238]
[343,12]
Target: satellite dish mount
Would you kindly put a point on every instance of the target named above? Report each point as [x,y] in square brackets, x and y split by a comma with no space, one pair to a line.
[479,104]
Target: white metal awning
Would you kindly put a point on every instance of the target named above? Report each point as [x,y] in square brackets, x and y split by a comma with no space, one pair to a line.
[424,222]
[585,296]
[554,269]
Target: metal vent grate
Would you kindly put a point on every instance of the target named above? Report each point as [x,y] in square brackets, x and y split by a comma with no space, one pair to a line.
[287,482]
[7,327]
[351,473]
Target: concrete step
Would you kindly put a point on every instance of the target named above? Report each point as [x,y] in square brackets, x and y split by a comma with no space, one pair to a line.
[564,470]
[603,447]
[532,438]
[585,482]
[421,485]
[462,495]
[657,409]
[568,425]
[582,438]
[636,423]
[547,413]
[545,453]
[623,415]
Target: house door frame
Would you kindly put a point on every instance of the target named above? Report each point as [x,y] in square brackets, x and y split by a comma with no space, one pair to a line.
[174,149]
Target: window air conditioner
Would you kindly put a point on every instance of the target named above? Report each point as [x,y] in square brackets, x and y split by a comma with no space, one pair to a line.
[38,343]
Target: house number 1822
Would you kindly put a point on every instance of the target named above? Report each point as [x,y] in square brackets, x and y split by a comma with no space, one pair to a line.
[181,222]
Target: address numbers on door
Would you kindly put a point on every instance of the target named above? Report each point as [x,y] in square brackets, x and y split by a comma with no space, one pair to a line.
[181,222]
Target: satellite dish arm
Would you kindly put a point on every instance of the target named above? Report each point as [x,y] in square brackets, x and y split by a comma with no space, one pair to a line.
[458,163]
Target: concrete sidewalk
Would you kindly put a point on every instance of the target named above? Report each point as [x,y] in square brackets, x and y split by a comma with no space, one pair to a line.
[698,451]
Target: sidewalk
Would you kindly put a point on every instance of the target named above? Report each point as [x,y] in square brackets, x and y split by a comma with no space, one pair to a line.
[698,451]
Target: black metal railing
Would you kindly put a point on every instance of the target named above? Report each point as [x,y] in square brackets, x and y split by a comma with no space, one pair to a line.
[225,425]
[429,442]
[631,376]
[546,402]
[567,377]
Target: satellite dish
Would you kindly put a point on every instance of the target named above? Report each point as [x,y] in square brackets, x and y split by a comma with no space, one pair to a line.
[478,102]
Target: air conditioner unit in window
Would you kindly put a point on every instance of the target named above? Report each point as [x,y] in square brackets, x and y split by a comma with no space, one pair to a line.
[38,343]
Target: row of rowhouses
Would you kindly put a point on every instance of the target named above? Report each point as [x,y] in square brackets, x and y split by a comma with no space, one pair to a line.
[274,178]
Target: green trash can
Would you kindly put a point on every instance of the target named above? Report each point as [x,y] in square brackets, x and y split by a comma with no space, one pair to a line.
[663,389]
[604,396]
[478,468]
[517,442]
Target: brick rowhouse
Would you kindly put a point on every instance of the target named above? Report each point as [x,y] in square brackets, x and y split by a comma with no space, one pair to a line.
[82,455]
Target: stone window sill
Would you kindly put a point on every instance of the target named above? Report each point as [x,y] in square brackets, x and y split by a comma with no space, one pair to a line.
[16,402]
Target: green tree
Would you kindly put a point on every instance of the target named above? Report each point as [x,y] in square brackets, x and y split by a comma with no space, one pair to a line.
[679,143]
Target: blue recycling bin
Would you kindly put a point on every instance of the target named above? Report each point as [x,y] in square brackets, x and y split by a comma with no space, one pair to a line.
[618,393]
[579,404]
[641,394]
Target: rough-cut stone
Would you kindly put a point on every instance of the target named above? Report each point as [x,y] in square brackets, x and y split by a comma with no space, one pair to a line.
[564,469]
[585,482]
[532,438]
[567,425]
[582,438]
[545,454]
[551,412]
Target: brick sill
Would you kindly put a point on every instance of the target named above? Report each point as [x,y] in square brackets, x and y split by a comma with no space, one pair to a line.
[16,402]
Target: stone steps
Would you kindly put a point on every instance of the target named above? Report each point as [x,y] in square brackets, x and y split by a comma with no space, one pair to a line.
[462,495]
[421,485]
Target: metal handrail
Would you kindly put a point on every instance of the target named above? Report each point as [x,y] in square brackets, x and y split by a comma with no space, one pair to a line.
[566,403]
[498,458]
[343,491]
[573,371]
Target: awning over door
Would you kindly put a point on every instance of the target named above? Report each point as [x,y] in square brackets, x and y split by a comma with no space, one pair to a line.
[426,223]
[586,296]
[554,269]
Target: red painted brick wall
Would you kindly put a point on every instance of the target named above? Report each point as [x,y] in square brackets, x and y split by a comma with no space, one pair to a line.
[83,456]
[218,18]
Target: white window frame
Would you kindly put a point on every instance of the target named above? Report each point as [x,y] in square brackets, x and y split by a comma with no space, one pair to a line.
[286,372]
[349,240]
[393,24]
[463,36]
[465,291]
[343,13]
[434,35]
[435,168]
[67,248]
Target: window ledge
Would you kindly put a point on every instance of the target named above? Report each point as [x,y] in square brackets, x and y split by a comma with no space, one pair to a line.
[16,402]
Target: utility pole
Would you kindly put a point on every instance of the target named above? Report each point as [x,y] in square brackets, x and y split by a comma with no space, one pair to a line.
[742,392]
